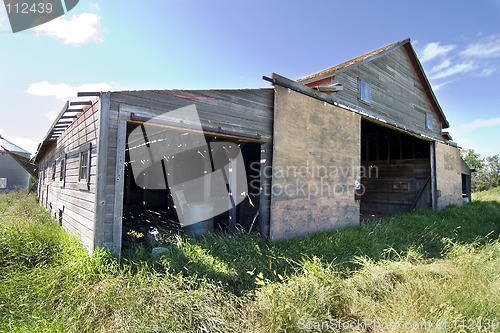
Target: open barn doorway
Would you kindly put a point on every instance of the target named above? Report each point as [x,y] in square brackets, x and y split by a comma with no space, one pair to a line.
[150,203]
[395,171]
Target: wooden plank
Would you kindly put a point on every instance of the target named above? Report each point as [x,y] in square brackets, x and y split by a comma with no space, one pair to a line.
[226,115]
[121,138]
[101,171]
[266,158]
[433,175]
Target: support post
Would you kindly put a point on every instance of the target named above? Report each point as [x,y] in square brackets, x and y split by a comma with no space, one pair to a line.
[433,175]
[266,155]
[119,187]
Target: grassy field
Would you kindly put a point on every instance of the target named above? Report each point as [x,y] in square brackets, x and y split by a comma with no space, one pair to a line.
[418,272]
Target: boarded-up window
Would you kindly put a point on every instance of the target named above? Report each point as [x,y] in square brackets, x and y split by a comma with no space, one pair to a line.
[364,91]
[429,121]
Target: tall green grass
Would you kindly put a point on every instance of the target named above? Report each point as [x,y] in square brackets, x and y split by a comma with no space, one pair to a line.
[419,269]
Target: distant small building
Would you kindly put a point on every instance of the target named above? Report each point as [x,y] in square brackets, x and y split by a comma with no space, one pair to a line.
[12,174]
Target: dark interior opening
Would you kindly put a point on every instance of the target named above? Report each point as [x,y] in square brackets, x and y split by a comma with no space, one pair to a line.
[466,187]
[395,171]
[150,211]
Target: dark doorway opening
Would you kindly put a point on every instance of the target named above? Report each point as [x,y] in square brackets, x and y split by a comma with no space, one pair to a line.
[395,171]
[152,209]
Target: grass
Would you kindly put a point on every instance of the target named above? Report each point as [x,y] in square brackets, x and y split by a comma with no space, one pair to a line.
[418,272]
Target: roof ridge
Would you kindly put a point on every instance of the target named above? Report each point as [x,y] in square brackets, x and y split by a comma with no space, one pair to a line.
[348,63]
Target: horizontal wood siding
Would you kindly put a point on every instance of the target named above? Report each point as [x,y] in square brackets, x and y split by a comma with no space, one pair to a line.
[396,92]
[249,110]
[393,186]
[77,204]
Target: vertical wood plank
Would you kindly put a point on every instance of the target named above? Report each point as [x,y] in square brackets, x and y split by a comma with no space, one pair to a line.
[433,176]
[102,152]
[119,186]
[266,158]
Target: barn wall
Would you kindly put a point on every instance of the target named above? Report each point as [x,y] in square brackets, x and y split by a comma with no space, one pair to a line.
[316,161]
[16,177]
[393,186]
[396,91]
[74,200]
[448,175]
[247,111]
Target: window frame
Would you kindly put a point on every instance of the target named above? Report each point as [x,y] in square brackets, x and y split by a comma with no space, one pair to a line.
[85,151]
[62,171]
[54,170]
[364,91]
[429,121]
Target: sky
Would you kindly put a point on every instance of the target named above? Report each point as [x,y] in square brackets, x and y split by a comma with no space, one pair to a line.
[207,44]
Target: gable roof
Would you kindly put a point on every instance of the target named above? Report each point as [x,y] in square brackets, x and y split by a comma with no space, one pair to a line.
[370,56]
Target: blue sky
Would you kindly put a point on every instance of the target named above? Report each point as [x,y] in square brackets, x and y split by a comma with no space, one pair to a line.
[188,44]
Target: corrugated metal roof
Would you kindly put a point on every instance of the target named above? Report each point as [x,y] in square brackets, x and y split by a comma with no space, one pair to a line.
[11,147]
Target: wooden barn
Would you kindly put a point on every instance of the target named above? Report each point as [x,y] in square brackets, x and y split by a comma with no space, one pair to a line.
[13,175]
[362,138]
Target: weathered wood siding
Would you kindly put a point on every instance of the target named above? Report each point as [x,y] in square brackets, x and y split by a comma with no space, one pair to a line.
[76,203]
[394,186]
[448,175]
[247,111]
[316,160]
[396,91]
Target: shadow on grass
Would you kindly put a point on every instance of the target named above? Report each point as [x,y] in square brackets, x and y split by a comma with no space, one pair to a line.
[235,260]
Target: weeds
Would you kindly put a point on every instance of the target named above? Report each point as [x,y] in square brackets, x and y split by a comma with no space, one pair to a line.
[426,268]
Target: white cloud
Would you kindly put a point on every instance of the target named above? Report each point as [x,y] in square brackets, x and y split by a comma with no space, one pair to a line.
[95,7]
[488,47]
[480,123]
[2,19]
[63,91]
[434,50]
[488,71]
[443,65]
[78,30]
[436,87]
[455,69]
[51,115]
